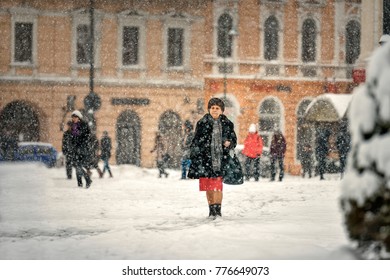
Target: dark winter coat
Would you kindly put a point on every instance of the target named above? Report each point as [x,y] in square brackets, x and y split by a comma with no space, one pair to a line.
[343,143]
[322,146]
[201,162]
[278,145]
[80,143]
[66,143]
[186,145]
[93,150]
[105,148]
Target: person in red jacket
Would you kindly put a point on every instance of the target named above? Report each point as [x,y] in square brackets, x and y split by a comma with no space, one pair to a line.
[253,147]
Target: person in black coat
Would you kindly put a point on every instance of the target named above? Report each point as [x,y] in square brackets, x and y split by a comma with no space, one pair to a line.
[277,153]
[80,142]
[94,155]
[105,150]
[306,159]
[322,151]
[343,143]
[67,149]
[214,138]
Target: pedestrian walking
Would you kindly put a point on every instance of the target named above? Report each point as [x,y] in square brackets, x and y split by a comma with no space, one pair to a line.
[253,147]
[162,156]
[277,151]
[213,141]
[67,149]
[94,155]
[105,152]
[322,151]
[307,159]
[186,148]
[343,143]
[80,142]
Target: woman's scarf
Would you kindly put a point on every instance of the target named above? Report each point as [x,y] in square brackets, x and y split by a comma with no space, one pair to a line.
[216,145]
[76,129]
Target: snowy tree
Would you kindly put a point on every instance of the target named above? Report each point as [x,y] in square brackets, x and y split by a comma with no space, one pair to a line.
[365,198]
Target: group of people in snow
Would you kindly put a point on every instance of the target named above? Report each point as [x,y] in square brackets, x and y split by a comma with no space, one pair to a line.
[206,153]
[81,150]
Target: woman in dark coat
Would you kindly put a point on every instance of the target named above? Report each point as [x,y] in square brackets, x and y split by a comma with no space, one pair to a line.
[80,142]
[277,151]
[214,138]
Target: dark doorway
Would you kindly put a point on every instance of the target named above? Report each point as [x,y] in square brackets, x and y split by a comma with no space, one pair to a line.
[20,120]
[128,135]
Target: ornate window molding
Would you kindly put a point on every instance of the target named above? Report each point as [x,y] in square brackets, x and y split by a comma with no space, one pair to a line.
[24,52]
[177,35]
[312,3]
[275,2]
[270,118]
[134,23]
[81,29]
[309,68]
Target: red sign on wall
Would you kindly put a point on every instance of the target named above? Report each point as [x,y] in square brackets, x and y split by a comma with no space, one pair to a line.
[359,76]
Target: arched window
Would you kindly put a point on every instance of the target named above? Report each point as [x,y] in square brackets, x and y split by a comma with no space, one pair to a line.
[270,119]
[305,132]
[225,40]
[309,36]
[20,120]
[271,38]
[352,45]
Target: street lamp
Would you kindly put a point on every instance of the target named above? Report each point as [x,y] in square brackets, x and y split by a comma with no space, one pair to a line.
[92,101]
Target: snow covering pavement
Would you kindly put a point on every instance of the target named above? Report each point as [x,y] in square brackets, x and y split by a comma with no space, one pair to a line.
[136,215]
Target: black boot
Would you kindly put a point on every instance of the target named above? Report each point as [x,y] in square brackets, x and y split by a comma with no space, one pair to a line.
[218,209]
[212,212]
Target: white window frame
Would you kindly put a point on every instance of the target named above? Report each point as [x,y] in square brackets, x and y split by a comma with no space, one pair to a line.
[221,7]
[27,15]
[315,64]
[281,119]
[129,19]
[308,4]
[265,14]
[274,2]
[82,17]
[183,22]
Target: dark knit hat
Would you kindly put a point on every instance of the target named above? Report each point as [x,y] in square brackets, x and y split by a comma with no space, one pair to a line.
[216,101]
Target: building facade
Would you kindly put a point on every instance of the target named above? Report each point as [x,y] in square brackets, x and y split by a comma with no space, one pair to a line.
[156,63]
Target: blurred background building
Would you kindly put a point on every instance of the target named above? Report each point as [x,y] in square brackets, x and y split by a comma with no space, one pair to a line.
[156,63]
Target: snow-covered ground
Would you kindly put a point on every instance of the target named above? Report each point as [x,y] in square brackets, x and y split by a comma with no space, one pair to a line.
[136,215]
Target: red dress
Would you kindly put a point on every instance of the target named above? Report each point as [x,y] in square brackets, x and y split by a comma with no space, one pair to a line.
[210,184]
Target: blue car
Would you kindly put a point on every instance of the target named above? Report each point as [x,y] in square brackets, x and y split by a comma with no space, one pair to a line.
[37,151]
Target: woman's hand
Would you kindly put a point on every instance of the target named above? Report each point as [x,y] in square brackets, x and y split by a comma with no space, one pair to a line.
[226,144]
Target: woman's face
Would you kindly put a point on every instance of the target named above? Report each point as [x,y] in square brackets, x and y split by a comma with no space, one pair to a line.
[215,111]
[75,119]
